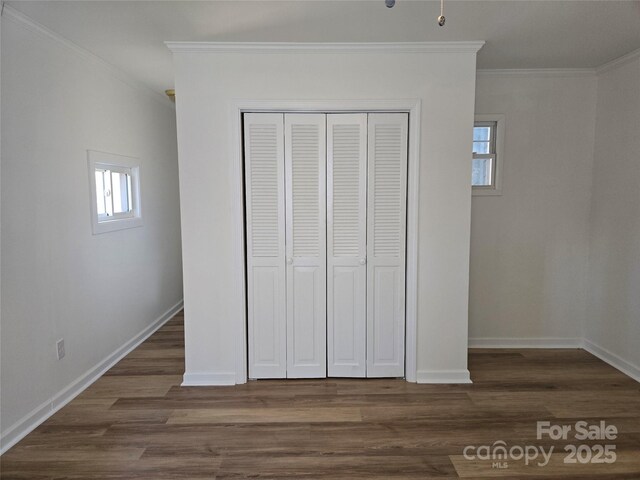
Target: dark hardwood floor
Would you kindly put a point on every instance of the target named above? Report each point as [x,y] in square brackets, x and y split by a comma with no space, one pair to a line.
[137,422]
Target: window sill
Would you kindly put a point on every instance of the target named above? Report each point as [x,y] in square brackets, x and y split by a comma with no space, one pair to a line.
[485,192]
[116,224]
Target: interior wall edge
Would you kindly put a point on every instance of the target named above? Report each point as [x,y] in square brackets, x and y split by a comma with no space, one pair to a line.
[28,23]
[618,62]
[33,419]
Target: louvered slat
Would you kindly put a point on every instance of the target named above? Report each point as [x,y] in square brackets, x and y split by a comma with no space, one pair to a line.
[263,145]
[346,189]
[305,177]
[387,189]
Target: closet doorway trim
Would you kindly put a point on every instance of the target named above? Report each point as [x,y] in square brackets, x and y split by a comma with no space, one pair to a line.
[410,106]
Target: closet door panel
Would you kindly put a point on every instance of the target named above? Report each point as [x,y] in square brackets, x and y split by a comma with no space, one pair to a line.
[346,244]
[305,172]
[266,286]
[386,235]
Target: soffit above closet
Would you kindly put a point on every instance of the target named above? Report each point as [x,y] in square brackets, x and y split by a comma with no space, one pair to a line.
[519,34]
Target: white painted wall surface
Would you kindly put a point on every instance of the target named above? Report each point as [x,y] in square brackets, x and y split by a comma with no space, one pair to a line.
[59,280]
[529,246]
[612,327]
[207,84]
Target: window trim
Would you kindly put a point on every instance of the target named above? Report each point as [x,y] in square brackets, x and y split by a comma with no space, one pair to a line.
[498,164]
[121,164]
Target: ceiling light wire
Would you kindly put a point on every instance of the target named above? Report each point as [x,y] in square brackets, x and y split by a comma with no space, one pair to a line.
[441,18]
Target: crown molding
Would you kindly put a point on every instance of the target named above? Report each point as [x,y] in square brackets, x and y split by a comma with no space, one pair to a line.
[326,48]
[538,72]
[28,23]
[618,62]
[562,72]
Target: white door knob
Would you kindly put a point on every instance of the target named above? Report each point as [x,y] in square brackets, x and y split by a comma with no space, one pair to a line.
[289,260]
[363,261]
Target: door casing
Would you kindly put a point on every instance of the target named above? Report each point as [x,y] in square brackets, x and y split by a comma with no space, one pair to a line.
[410,106]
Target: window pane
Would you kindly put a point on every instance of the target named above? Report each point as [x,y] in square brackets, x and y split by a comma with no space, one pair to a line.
[129,194]
[481,147]
[107,192]
[117,194]
[481,133]
[481,172]
[121,193]
[100,192]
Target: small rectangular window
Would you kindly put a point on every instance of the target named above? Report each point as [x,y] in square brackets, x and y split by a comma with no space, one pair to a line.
[486,164]
[115,190]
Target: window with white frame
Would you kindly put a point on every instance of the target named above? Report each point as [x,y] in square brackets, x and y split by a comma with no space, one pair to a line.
[486,169]
[115,191]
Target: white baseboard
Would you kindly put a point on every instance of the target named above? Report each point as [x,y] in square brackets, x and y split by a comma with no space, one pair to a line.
[612,359]
[30,421]
[207,379]
[443,376]
[542,342]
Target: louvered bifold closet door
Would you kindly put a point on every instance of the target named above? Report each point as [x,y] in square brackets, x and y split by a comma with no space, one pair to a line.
[305,170]
[386,232]
[346,244]
[265,211]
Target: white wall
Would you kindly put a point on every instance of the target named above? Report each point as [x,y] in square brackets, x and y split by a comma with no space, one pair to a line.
[612,327]
[207,84]
[555,260]
[529,246]
[59,280]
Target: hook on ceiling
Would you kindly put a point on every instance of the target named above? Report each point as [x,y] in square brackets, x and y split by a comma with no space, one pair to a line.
[441,18]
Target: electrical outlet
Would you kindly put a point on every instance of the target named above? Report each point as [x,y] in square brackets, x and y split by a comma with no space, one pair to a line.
[60,347]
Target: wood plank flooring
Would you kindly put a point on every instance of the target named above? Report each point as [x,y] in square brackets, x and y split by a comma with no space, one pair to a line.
[136,422]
